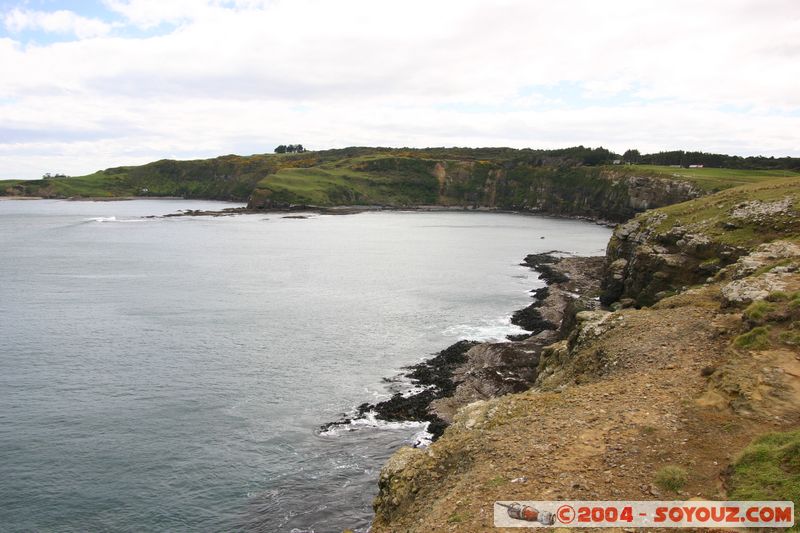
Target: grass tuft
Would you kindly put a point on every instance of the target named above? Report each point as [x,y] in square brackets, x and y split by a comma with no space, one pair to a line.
[755,339]
[757,311]
[671,478]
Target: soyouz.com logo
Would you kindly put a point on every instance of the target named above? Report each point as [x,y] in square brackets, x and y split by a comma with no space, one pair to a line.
[695,514]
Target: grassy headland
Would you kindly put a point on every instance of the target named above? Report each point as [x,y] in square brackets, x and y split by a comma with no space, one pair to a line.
[576,181]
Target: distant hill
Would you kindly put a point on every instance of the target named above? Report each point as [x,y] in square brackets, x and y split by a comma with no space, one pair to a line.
[576,181]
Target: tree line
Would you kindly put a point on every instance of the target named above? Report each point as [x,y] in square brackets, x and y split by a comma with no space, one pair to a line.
[684,159]
[289,149]
[602,156]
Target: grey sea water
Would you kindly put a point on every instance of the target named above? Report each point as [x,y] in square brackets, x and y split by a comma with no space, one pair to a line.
[171,374]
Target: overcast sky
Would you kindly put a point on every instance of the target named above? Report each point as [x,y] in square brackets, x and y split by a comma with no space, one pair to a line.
[85,85]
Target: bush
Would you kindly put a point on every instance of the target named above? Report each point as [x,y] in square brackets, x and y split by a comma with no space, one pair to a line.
[755,339]
[671,478]
[756,312]
[777,296]
[790,337]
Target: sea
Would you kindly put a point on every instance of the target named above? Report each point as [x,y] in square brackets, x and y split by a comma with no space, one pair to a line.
[172,374]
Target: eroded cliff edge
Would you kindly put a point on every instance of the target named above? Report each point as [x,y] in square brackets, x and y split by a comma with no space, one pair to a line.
[697,356]
[550,186]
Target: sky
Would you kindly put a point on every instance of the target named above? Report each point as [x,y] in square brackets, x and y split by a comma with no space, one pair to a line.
[86,85]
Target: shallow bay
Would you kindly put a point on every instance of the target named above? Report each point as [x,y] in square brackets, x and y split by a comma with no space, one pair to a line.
[172,373]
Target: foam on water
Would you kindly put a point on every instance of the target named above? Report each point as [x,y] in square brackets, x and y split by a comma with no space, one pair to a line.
[370,420]
[115,219]
[490,330]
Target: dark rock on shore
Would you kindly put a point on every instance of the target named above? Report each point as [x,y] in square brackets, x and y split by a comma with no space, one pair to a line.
[531,319]
[545,264]
[438,371]
[469,371]
[496,369]
[435,376]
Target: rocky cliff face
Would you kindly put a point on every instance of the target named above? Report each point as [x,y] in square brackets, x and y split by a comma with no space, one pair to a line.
[646,262]
[596,193]
[583,191]
[590,192]
[495,369]
[659,253]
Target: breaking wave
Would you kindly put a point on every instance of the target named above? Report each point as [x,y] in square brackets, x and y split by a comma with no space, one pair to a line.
[370,421]
[489,330]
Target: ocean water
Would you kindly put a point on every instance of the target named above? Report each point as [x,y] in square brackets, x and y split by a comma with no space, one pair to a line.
[172,373]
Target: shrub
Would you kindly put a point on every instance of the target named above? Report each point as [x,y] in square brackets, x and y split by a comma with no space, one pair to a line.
[757,311]
[755,339]
[790,337]
[671,478]
[777,296]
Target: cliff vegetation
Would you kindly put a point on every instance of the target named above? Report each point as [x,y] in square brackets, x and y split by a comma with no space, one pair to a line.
[575,181]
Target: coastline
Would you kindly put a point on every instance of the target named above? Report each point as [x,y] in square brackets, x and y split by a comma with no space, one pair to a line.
[356,209]
[323,210]
[470,370]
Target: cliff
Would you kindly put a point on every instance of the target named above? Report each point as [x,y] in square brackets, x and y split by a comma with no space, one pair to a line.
[518,184]
[688,386]
[557,182]
[664,251]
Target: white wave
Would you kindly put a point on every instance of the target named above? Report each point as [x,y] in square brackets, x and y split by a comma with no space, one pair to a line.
[490,330]
[413,390]
[422,439]
[114,219]
[371,421]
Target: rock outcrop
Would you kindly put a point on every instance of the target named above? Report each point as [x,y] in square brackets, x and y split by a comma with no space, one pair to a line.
[495,369]
[647,261]
[515,184]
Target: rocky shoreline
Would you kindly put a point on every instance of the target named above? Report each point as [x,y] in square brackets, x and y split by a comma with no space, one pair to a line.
[356,209]
[689,370]
[470,370]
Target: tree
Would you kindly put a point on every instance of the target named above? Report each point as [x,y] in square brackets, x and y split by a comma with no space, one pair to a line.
[290,149]
[632,156]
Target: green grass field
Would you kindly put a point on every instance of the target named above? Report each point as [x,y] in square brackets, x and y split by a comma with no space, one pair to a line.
[715,179]
[360,180]
[712,214]
[97,185]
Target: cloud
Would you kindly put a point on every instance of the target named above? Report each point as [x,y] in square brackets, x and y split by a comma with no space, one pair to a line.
[150,13]
[62,21]
[244,75]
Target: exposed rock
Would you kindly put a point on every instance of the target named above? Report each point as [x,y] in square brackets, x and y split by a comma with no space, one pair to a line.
[469,371]
[433,378]
[742,291]
[771,260]
[762,256]
[493,370]
[646,262]
[757,210]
